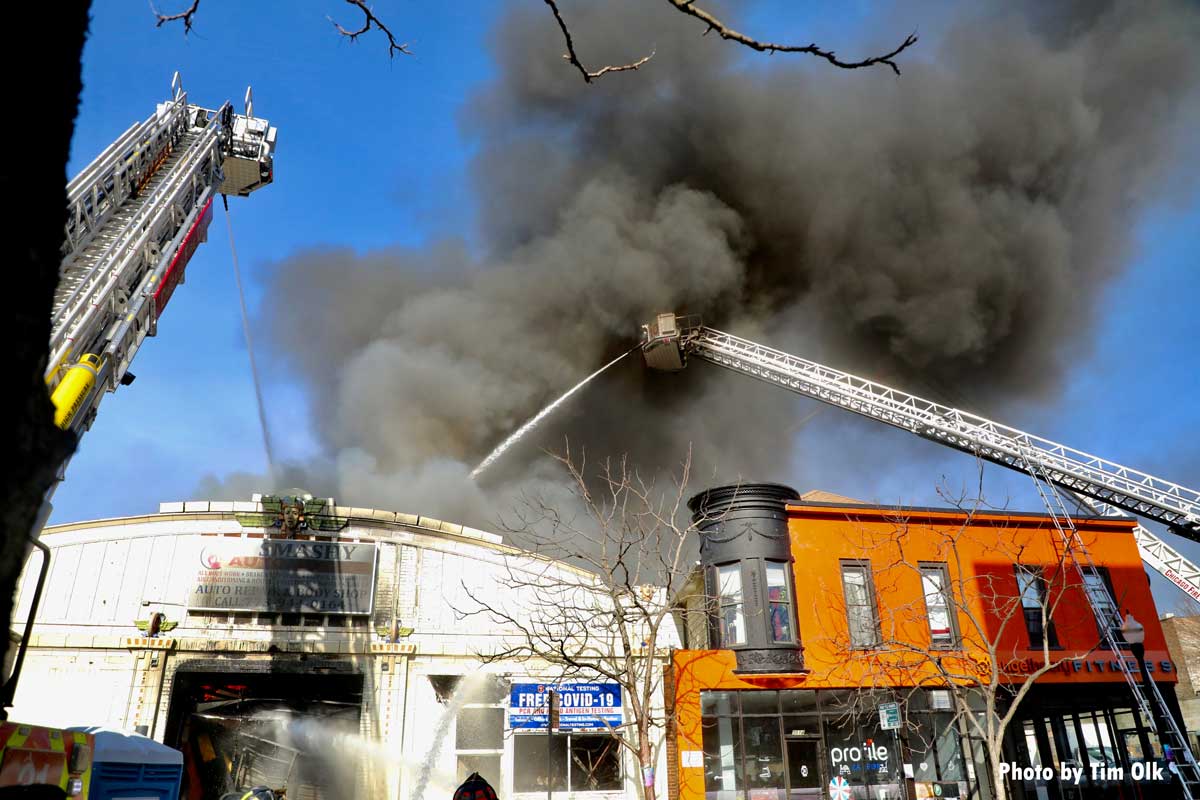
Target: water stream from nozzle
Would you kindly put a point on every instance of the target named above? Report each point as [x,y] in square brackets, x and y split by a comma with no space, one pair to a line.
[545,412]
[258,394]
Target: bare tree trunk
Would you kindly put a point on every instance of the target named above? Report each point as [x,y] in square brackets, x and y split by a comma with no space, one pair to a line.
[35,447]
[646,761]
[999,787]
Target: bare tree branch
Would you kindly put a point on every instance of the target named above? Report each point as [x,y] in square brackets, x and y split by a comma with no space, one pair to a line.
[990,666]
[570,55]
[369,20]
[592,596]
[186,16]
[725,32]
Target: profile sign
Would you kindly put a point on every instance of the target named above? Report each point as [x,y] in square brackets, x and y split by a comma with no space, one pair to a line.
[581,706]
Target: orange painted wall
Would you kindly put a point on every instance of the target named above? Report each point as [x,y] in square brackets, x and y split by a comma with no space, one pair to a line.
[822,535]
[983,554]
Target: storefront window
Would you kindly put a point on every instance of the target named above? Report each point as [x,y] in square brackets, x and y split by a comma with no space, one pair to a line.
[949,749]
[977,768]
[575,762]
[722,757]
[800,716]
[1097,740]
[764,758]
[863,756]
[779,595]
[719,704]
[1085,739]
[794,744]
[788,745]
[1074,752]
[762,702]
[536,755]
[922,746]
[935,747]
[1031,744]
[595,764]
[1129,736]
[798,701]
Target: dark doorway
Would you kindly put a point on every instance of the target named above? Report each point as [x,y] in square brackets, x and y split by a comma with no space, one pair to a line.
[805,777]
[297,731]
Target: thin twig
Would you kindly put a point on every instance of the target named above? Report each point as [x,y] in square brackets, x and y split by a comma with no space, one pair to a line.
[571,56]
[369,20]
[186,16]
[725,32]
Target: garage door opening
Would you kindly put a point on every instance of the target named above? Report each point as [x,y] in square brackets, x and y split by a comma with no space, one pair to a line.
[237,730]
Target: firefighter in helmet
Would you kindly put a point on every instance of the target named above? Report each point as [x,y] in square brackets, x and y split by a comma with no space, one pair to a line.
[475,788]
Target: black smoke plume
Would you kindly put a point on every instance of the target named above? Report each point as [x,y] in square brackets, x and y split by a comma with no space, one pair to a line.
[954,227]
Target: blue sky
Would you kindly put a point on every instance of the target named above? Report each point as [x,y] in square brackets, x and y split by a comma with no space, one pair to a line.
[370,155]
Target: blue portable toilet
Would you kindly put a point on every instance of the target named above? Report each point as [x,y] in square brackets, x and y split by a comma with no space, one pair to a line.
[131,765]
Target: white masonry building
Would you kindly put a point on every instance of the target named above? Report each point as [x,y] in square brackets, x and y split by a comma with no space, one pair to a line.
[324,647]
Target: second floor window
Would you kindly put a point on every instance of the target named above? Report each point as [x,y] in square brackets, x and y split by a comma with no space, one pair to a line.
[779,595]
[939,607]
[1035,607]
[730,614]
[859,592]
[1100,595]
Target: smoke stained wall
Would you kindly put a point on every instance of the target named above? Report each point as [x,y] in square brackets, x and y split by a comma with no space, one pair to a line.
[952,227]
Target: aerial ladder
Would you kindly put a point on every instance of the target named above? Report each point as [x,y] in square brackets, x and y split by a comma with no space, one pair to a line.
[1102,486]
[135,216]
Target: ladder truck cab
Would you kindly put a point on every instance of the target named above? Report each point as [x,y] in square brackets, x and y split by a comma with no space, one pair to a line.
[1099,485]
[33,755]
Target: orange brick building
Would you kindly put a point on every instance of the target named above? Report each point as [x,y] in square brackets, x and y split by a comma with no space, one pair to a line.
[806,620]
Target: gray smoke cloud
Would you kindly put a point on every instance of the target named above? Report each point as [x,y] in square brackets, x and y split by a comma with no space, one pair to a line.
[954,227]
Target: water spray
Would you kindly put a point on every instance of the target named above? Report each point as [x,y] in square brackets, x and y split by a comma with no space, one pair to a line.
[467,686]
[258,394]
[545,412]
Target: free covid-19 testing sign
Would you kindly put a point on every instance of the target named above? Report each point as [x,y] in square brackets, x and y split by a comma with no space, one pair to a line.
[581,706]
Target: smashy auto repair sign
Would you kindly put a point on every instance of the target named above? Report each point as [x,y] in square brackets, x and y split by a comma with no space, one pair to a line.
[284,576]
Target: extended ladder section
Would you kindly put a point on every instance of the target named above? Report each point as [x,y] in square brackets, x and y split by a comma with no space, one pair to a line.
[135,216]
[1157,554]
[1077,559]
[668,341]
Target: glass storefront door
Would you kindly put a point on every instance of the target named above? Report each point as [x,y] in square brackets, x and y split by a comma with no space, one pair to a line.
[805,778]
